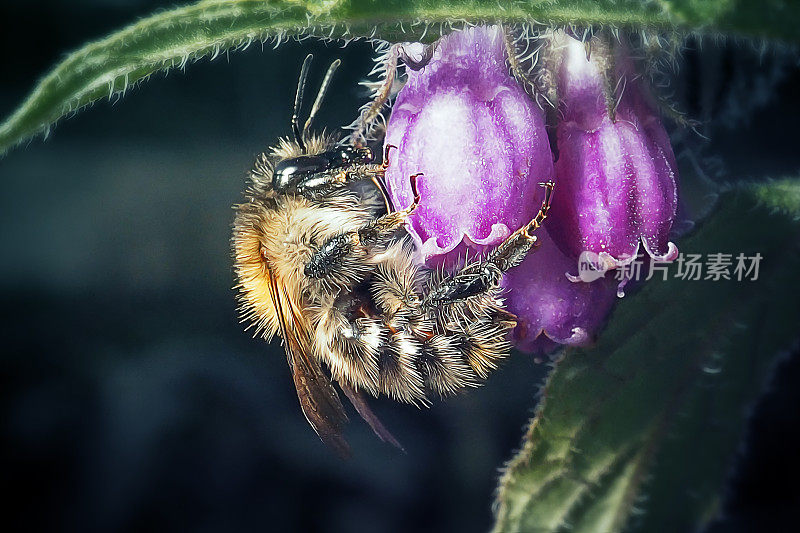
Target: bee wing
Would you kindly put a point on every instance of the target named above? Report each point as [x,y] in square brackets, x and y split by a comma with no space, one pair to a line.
[363,409]
[318,399]
[355,396]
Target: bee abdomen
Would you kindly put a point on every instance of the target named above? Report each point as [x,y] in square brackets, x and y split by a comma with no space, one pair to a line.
[400,377]
[483,345]
[444,360]
[378,338]
[444,367]
[351,349]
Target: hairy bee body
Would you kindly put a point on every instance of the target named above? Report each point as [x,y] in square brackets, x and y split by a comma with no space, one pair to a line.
[324,260]
[365,313]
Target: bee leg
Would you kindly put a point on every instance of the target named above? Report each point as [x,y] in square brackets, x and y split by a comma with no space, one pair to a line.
[321,183]
[383,227]
[343,255]
[485,276]
[386,67]
[513,250]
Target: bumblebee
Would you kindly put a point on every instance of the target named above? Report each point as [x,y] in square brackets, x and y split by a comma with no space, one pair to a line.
[323,259]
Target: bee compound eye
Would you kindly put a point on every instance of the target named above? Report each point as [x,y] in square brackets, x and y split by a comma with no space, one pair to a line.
[290,172]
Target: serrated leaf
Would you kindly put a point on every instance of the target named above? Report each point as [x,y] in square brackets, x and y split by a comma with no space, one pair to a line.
[173,38]
[637,433]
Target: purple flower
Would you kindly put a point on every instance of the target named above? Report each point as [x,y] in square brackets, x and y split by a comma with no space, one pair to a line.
[615,167]
[481,143]
[550,308]
[479,140]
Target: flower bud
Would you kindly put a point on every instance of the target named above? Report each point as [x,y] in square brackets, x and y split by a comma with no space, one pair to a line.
[616,172]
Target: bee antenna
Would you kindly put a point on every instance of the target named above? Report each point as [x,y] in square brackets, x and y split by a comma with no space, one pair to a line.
[298,102]
[323,88]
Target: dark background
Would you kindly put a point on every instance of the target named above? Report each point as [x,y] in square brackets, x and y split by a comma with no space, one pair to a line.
[130,396]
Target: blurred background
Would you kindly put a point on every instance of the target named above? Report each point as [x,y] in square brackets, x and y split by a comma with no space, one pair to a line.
[132,399]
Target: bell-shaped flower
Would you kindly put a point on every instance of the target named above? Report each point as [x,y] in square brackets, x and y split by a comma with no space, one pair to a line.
[465,123]
[616,172]
[550,308]
[478,139]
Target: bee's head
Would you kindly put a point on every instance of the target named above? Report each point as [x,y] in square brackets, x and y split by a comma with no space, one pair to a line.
[290,174]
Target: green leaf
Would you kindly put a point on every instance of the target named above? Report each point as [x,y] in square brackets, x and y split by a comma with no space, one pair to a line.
[174,38]
[638,432]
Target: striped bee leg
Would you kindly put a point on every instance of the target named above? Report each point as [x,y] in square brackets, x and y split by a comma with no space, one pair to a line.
[467,308]
[342,258]
[482,277]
